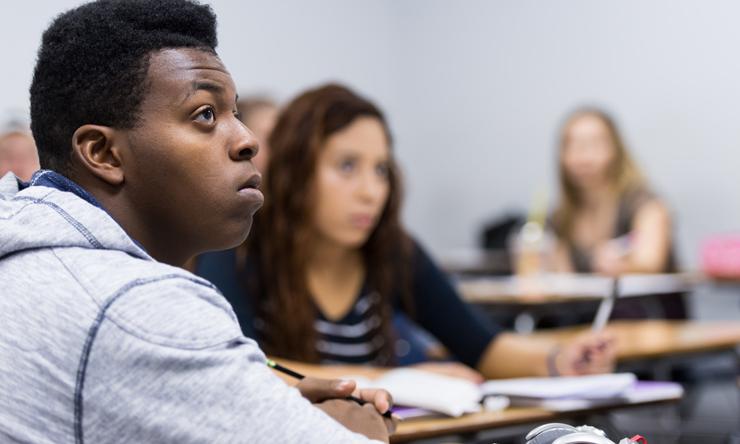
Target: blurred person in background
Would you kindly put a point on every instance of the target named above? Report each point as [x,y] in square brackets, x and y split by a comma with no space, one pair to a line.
[259,113]
[608,220]
[18,152]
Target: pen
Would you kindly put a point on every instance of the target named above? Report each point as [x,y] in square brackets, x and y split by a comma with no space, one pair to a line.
[606,307]
[274,365]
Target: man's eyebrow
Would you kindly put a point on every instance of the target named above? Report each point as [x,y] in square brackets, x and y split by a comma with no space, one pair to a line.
[204,85]
[208,86]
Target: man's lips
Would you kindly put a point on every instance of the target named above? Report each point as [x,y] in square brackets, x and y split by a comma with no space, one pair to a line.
[253,181]
[250,189]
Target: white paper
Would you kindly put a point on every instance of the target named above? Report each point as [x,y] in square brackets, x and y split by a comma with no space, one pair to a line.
[587,387]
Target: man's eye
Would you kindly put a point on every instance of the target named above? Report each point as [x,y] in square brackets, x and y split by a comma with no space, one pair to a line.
[207,115]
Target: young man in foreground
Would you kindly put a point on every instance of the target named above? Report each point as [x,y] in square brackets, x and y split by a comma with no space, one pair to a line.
[104,338]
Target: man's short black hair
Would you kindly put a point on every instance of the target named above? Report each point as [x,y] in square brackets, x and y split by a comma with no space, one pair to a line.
[93,61]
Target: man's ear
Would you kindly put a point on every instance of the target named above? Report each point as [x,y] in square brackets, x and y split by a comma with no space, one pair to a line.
[96,149]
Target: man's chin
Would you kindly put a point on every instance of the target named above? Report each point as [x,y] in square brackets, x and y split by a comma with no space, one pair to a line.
[232,240]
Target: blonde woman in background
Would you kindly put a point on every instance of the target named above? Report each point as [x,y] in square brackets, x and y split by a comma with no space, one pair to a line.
[608,221]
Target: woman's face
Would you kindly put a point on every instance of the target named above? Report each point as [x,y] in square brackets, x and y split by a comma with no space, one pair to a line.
[18,154]
[588,151]
[261,121]
[351,183]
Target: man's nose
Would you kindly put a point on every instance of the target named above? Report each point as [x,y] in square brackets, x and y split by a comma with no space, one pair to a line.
[245,145]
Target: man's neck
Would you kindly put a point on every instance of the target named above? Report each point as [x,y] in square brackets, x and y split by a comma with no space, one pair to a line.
[112,200]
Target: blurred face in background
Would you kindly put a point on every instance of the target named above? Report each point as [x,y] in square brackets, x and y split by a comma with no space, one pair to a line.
[18,154]
[261,121]
[351,183]
[588,151]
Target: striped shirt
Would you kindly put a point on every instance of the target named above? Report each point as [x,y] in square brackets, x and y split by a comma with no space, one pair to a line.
[356,338]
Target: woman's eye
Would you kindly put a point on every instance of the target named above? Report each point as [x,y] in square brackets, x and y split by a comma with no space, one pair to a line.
[347,166]
[382,170]
[207,115]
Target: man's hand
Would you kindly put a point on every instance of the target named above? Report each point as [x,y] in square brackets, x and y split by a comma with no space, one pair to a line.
[590,353]
[362,419]
[319,389]
[330,396]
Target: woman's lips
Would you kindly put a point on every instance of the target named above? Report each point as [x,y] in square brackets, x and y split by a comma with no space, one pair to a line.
[362,221]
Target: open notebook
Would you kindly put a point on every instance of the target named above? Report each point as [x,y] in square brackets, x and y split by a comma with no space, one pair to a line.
[455,397]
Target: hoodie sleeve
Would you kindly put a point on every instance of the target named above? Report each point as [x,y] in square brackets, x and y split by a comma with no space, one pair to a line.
[167,363]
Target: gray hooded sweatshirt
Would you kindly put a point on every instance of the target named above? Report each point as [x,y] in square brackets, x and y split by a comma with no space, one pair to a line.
[100,343]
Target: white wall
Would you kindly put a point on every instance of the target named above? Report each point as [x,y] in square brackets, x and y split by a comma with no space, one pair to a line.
[475,90]
[21,25]
[486,85]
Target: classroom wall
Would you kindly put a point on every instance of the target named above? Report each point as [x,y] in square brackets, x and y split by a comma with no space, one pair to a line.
[475,91]
[482,104]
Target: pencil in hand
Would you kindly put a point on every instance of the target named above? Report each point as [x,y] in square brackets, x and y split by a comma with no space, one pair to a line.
[292,373]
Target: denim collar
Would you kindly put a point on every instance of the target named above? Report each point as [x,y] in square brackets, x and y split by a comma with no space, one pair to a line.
[52,179]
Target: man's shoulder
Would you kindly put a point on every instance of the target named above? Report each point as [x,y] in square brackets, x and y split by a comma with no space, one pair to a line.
[153,301]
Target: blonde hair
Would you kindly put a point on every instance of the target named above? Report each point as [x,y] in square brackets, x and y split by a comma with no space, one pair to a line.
[624,175]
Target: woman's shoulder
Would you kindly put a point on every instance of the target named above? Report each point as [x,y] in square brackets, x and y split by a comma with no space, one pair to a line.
[423,265]
[639,198]
[224,270]
[643,204]
[416,252]
[215,261]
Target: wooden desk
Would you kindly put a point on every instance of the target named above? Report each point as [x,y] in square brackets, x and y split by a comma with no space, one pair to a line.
[426,428]
[414,429]
[567,287]
[735,280]
[647,339]
[636,340]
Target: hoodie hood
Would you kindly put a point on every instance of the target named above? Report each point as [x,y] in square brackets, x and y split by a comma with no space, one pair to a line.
[43,217]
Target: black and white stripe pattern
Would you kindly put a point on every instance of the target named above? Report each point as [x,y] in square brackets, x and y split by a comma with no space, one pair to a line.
[357,338]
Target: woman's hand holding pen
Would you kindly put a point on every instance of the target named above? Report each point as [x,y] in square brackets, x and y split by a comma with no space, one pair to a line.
[590,353]
[610,258]
[330,395]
